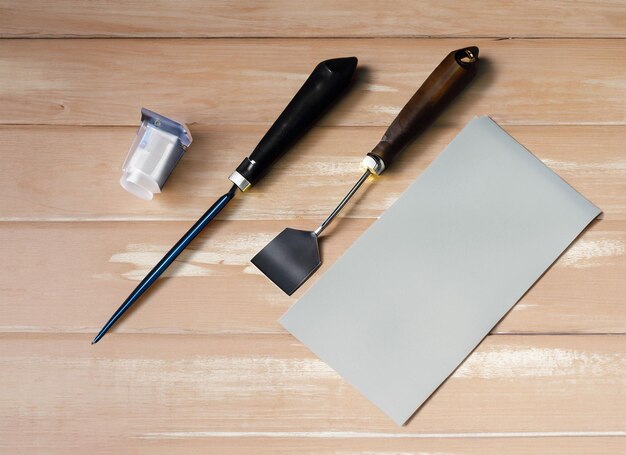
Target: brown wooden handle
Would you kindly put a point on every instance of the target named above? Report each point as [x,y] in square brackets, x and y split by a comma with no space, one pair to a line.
[448,79]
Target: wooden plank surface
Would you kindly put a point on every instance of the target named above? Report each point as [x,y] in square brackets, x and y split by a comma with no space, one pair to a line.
[338,444]
[136,390]
[313,18]
[221,81]
[306,183]
[201,365]
[102,262]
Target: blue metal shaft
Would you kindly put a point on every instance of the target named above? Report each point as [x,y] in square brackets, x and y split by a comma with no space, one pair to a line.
[169,257]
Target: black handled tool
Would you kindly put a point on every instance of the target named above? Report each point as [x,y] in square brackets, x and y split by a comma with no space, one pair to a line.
[293,256]
[326,83]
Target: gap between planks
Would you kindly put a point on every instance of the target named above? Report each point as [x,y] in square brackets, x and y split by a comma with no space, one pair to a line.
[316,38]
[367,435]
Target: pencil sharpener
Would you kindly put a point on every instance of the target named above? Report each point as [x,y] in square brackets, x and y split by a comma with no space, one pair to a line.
[159,145]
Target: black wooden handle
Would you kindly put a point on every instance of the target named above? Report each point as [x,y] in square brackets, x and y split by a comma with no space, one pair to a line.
[444,83]
[326,83]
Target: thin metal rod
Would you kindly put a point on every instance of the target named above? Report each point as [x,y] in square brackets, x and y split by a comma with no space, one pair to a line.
[345,200]
[167,260]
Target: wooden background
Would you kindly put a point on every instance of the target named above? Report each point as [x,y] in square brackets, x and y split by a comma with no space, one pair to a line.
[201,364]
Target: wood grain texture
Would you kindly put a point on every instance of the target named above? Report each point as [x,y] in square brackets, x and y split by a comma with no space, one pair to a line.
[313,18]
[201,365]
[215,391]
[324,444]
[104,82]
[306,183]
[101,263]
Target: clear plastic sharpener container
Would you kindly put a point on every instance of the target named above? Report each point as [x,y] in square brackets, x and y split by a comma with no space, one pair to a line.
[159,145]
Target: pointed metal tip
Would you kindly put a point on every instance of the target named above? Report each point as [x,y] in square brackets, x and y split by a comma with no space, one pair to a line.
[94,341]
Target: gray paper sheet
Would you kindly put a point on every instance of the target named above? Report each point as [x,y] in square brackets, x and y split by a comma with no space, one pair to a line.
[417,292]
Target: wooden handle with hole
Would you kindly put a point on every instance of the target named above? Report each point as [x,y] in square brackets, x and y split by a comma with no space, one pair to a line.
[444,83]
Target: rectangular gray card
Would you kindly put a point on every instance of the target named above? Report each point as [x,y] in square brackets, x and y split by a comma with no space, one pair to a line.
[417,292]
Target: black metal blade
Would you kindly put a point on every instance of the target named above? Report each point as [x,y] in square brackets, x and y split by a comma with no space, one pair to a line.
[289,259]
